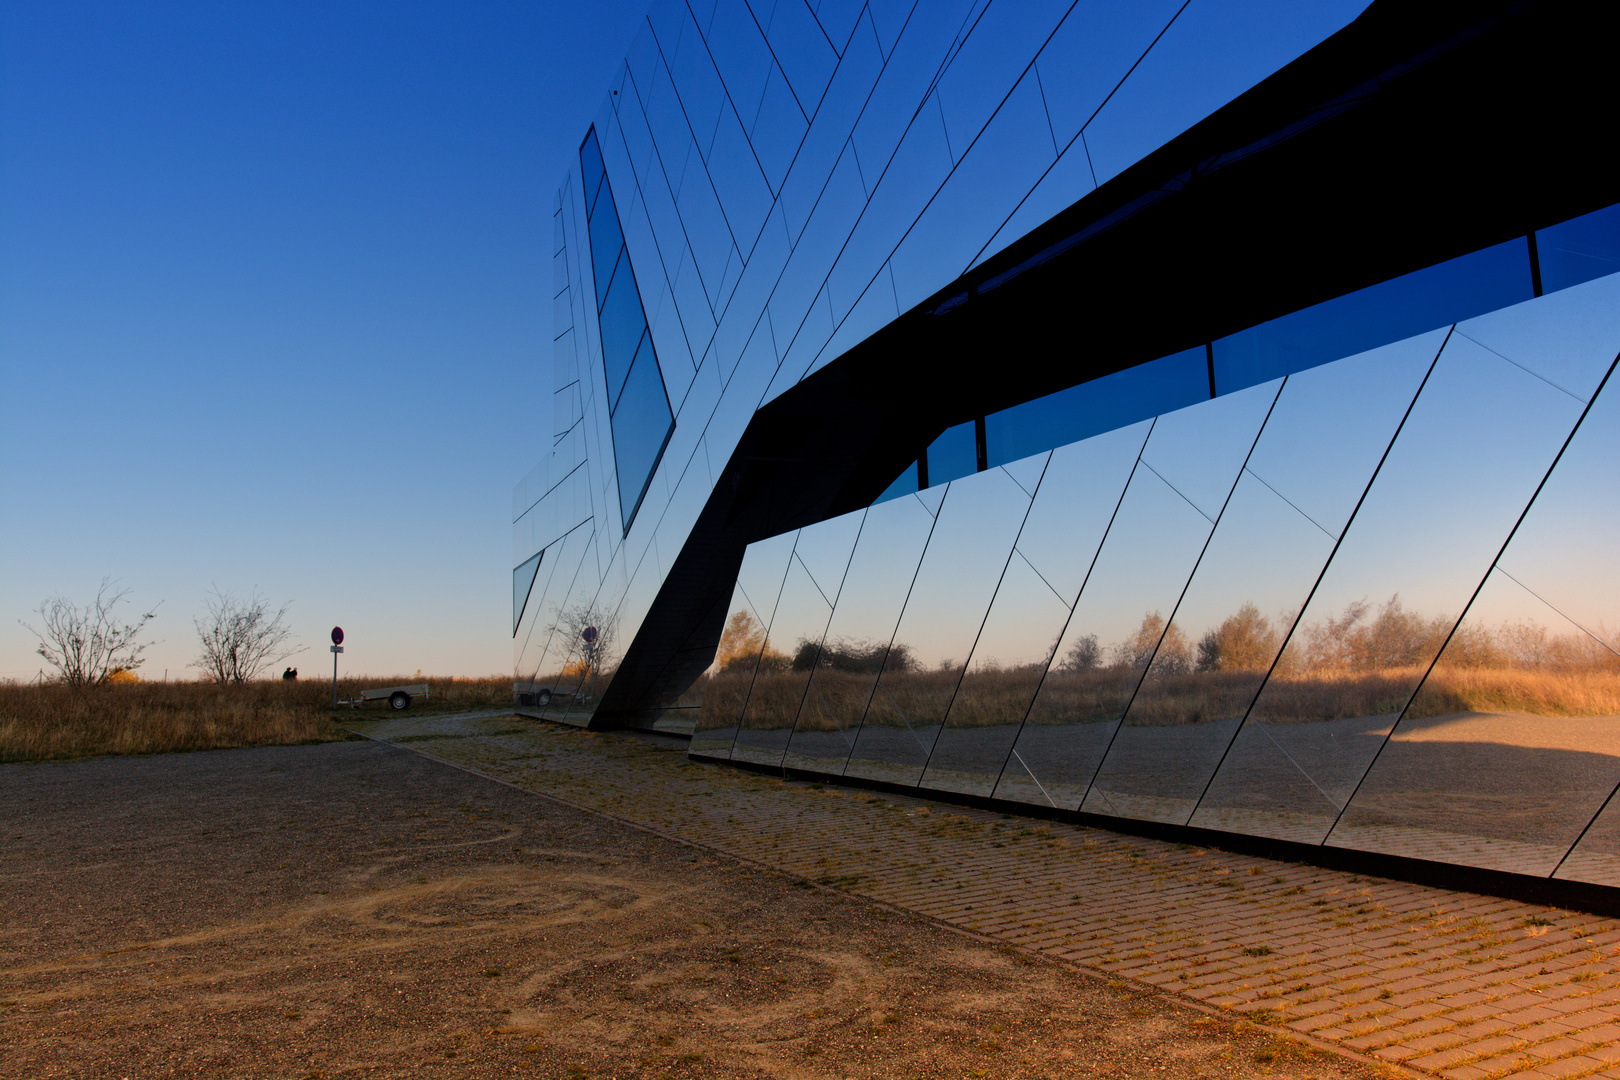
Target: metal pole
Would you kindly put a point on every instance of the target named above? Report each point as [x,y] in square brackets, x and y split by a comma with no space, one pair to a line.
[334,676]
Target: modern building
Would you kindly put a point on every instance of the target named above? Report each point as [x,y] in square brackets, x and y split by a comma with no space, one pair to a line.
[1190,415]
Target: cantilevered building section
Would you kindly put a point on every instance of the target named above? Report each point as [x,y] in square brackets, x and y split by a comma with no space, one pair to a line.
[1194,416]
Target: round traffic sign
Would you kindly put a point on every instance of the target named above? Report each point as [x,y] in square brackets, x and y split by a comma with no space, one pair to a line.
[337,635]
[589,634]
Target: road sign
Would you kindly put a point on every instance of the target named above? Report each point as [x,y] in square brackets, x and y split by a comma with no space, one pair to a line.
[589,635]
[337,647]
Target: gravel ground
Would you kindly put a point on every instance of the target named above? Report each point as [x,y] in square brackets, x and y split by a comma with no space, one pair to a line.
[351,909]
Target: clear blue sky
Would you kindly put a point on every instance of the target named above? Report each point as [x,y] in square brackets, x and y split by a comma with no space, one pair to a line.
[275,311]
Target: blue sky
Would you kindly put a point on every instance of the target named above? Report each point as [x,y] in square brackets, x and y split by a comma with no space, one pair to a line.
[274,310]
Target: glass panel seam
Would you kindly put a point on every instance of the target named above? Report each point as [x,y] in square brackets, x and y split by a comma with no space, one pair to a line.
[1464,614]
[916,570]
[1309,596]
[1107,529]
[1185,585]
[805,693]
[983,619]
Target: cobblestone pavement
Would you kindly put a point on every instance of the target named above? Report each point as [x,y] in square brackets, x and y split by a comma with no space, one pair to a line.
[1453,984]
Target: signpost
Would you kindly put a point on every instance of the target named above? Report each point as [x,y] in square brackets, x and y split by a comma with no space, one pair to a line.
[337,647]
[589,634]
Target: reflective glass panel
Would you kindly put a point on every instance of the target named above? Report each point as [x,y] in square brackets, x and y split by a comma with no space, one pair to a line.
[1003,163]
[1525,702]
[1510,747]
[607,241]
[1097,43]
[545,659]
[846,665]
[640,411]
[1074,507]
[978,521]
[522,582]
[742,643]
[726,686]
[996,53]
[821,554]
[904,484]
[1389,311]
[1580,249]
[1432,521]
[1211,53]
[641,428]
[1137,393]
[1319,450]
[955,453]
[1006,664]
[1189,463]
[1195,456]
[590,161]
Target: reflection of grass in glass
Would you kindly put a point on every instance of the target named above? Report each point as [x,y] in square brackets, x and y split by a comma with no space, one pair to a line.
[1588,691]
[723,696]
[1363,662]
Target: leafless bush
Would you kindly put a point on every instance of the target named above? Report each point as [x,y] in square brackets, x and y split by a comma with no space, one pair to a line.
[240,638]
[87,645]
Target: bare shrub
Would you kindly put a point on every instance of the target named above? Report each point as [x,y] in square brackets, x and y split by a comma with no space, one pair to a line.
[240,638]
[86,645]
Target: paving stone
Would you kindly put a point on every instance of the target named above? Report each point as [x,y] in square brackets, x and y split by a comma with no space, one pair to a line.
[1458,974]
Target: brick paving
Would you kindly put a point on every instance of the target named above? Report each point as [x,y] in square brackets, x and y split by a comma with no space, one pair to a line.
[1453,984]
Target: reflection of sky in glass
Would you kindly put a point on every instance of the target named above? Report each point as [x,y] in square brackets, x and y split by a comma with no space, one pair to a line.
[881,570]
[978,522]
[759,581]
[955,453]
[1097,406]
[1481,435]
[1564,551]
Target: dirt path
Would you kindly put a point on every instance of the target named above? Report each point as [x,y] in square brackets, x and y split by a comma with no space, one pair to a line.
[355,910]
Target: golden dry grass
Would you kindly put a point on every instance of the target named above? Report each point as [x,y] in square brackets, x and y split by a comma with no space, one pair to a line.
[838,700]
[52,721]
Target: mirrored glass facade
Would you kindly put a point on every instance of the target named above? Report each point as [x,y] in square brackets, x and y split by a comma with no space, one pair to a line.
[919,416]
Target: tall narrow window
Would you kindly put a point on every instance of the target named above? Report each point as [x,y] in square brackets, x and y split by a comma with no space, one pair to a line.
[638,404]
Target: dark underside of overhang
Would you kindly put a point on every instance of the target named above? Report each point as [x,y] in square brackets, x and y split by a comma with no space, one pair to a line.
[1418,133]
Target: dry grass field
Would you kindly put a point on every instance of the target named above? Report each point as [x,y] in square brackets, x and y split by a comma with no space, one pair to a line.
[53,721]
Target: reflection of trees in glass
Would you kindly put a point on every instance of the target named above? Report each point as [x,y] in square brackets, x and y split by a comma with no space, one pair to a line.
[1243,642]
[853,656]
[743,643]
[1084,655]
[1360,661]
[1394,638]
[568,635]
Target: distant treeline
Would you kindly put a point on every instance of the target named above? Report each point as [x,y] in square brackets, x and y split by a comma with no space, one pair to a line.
[1359,663]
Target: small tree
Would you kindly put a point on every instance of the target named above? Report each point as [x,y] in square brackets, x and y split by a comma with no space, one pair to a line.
[240,638]
[1084,655]
[86,645]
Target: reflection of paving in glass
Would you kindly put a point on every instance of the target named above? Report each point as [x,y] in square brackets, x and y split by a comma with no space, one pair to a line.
[1466,986]
[1508,791]
[1291,781]
[1158,773]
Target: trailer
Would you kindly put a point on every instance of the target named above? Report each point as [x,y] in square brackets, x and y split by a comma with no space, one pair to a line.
[398,697]
[542,695]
